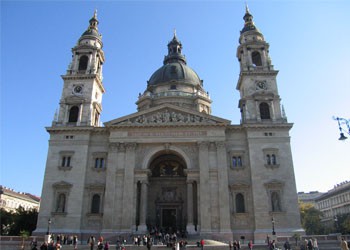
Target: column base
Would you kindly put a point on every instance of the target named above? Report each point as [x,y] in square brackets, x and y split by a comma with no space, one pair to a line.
[190,229]
[142,228]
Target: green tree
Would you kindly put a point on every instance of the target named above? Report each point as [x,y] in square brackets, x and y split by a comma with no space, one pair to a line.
[311,219]
[23,220]
[343,223]
[7,220]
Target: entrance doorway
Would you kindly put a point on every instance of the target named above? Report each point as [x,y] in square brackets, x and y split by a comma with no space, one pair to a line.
[169,219]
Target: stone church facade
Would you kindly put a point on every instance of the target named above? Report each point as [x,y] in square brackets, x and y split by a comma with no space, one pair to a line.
[171,165]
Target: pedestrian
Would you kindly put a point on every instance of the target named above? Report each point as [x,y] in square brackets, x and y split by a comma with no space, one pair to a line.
[250,245]
[202,244]
[230,245]
[286,245]
[148,243]
[344,244]
[315,244]
[43,246]
[106,246]
[272,245]
[91,242]
[309,244]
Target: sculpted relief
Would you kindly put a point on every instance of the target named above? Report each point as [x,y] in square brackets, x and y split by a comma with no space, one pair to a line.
[163,117]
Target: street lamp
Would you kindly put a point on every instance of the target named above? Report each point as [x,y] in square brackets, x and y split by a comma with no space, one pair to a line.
[336,223]
[273,226]
[341,124]
[48,226]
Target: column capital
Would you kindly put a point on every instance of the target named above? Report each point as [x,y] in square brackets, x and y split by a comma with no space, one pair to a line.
[131,146]
[220,144]
[203,144]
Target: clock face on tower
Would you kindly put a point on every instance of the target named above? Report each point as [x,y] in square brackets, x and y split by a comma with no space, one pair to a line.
[78,89]
[261,85]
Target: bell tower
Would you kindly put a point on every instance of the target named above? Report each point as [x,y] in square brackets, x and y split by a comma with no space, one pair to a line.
[259,99]
[81,99]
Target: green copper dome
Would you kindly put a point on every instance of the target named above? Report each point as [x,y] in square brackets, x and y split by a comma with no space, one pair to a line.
[174,68]
[174,72]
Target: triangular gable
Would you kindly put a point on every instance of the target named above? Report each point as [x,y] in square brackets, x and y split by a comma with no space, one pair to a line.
[167,114]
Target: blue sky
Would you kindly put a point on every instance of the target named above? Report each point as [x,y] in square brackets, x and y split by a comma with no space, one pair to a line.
[309,45]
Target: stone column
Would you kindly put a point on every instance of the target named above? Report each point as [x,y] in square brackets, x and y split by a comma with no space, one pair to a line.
[204,189]
[273,115]
[128,192]
[109,204]
[224,198]
[190,226]
[118,195]
[143,207]
[258,116]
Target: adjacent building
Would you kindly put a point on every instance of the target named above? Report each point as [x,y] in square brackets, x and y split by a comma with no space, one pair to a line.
[334,203]
[10,200]
[310,197]
[172,165]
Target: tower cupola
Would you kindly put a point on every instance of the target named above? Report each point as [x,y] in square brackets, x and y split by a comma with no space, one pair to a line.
[174,51]
[175,83]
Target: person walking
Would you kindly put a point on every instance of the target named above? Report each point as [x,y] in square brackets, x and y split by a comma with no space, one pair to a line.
[91,242]
[344,244]
[286,245]
[250,245]
[315,244]
[202,244]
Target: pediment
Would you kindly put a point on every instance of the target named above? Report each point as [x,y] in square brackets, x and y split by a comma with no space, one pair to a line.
[165,115]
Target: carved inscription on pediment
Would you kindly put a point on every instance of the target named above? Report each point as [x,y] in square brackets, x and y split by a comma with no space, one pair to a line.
[164,117]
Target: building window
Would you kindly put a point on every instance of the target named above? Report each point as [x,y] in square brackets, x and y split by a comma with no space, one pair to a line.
[271,159]
[73,114]
[172,86]
[83,62]
[61,203]
[275,202]
[264,111]
[256,58]
[66,161]
[99,162]
[95,204]
[236,161]
[240,207]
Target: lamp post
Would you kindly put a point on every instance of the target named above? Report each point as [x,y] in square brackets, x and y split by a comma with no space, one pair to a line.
[48,226]
[336,223]
[273,226]
[341,124]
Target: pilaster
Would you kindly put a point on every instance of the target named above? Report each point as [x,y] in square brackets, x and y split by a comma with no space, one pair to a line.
[204,188]
[224,198]
[109,205]
[128,192]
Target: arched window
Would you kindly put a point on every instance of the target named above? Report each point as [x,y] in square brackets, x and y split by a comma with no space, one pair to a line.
[83,62]
[275,202]
[95,204]
[273,159]
[268,159]
[264,111]
[61,203]
[256,58]
[240,208]
[73,114]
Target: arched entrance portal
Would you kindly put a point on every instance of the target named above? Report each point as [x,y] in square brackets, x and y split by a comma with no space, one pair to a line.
[167,196]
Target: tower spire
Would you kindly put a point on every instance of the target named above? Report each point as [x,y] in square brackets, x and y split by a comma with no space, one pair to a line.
[174,51]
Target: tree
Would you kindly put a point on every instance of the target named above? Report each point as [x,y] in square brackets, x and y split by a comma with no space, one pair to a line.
[311,219]
[343,223]
[7,220]
[21,220]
